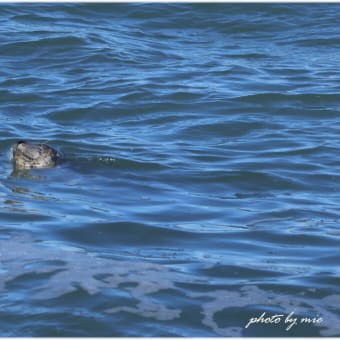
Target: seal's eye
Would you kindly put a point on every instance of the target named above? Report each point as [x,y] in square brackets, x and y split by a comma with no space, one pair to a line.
[21,142]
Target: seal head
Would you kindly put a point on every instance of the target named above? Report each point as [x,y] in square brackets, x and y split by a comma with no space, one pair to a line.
[28,155]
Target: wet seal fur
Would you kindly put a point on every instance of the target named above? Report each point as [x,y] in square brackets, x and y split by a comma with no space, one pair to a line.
[29,155]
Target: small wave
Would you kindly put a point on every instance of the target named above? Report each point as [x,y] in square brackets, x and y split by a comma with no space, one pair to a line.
[227,129]
[19,96]
[272,96]
[119,163]
[294,103]
[316,42]
[127,234]
[39,46]
[249,56]
[249,180]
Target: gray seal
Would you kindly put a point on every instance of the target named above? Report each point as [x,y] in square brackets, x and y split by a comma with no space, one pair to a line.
[29,155]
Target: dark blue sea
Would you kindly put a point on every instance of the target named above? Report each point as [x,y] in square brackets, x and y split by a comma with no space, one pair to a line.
[199,191]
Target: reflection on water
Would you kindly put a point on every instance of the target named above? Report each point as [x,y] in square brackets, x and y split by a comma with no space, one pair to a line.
[64,269]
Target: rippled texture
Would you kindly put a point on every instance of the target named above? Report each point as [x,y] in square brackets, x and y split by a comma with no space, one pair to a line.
[200,182]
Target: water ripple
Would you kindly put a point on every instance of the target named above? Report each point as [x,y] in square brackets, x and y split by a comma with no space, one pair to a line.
[199,186]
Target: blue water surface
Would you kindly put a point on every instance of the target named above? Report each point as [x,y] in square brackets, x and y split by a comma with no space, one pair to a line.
[199,191]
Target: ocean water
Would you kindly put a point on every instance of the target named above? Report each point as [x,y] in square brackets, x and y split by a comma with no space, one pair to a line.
[200,188]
